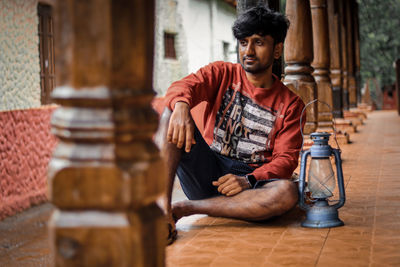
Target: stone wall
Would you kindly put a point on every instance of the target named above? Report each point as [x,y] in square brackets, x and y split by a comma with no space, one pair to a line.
[26,145]
[19,55]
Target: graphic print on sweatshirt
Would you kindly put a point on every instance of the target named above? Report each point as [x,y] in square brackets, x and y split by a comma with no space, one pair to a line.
[241,128]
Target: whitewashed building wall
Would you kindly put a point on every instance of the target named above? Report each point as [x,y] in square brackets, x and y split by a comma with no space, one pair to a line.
[203,35]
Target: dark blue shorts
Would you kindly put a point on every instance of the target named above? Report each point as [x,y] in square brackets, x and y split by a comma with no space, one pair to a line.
[201,166]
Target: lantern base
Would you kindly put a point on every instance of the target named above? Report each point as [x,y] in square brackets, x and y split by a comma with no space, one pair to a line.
[321,215]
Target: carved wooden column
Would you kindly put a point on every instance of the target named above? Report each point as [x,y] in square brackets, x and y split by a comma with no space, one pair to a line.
[355,116]
[321,62]
[298,56]
[335,57]
[339,74]
[350,55]
[343,42]
[106,174]
[356,24]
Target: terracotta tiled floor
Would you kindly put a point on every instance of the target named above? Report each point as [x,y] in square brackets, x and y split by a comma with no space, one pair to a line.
[370,237]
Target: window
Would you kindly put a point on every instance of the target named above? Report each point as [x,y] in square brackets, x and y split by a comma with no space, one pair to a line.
[46,52]
[169,45]
[225,50]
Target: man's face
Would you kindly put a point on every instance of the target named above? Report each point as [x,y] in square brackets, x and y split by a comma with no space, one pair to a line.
[257,53]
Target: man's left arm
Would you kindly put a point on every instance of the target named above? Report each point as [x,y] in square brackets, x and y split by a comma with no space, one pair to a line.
[284,157]
[231,184]
[287,145]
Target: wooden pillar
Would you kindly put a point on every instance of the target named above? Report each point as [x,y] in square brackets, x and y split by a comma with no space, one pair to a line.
[340,77]
[298,56]
[343,127]
[351,55]
[343,42]
[106,174]
[356,24]
[335,57]
[321,62]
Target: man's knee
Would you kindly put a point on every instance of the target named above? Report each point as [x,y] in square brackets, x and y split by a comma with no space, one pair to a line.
[289,191]
[161,134]
[283,195]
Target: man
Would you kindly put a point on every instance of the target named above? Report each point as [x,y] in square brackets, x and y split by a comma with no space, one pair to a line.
[241,164]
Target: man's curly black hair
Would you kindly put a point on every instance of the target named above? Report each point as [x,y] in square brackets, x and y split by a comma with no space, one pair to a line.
[262,21]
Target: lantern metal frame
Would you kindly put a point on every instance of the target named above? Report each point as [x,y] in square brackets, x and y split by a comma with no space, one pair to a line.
[321,214]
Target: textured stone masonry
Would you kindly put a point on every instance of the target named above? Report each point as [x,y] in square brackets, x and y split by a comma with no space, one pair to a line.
[26,145]
[19,55]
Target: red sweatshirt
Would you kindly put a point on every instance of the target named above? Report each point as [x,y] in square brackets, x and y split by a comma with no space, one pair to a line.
[257,126]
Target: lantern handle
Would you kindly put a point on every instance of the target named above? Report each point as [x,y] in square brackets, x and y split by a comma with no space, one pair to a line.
[333,122]
[302,178]
[339,173]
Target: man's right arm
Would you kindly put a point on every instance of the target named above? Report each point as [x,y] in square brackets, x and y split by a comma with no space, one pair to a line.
[196,87]
[181,127]
[186,93]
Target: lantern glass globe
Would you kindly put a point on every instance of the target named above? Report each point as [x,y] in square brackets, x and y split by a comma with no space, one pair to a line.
[321,178]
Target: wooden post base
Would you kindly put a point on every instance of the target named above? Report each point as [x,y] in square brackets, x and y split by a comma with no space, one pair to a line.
[357,118]
[365,107]
[361,113]
[345,125]
[342,137]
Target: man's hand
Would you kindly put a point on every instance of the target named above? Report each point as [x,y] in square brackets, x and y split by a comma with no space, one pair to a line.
[181,127]
[230,184]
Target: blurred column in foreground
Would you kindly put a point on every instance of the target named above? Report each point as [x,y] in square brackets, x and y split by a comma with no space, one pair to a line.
[106,174]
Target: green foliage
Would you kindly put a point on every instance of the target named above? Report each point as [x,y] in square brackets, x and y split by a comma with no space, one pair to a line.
[380,38]
[282,5]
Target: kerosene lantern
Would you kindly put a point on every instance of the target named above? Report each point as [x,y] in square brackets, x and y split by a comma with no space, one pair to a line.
[321,183]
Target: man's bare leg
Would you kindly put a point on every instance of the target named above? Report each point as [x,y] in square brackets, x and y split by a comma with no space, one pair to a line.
[171,154]
[273,199]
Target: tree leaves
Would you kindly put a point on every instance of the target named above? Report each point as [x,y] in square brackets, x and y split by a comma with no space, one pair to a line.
[380,38]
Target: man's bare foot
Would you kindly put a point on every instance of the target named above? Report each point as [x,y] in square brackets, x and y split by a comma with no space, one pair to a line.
[181,209]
